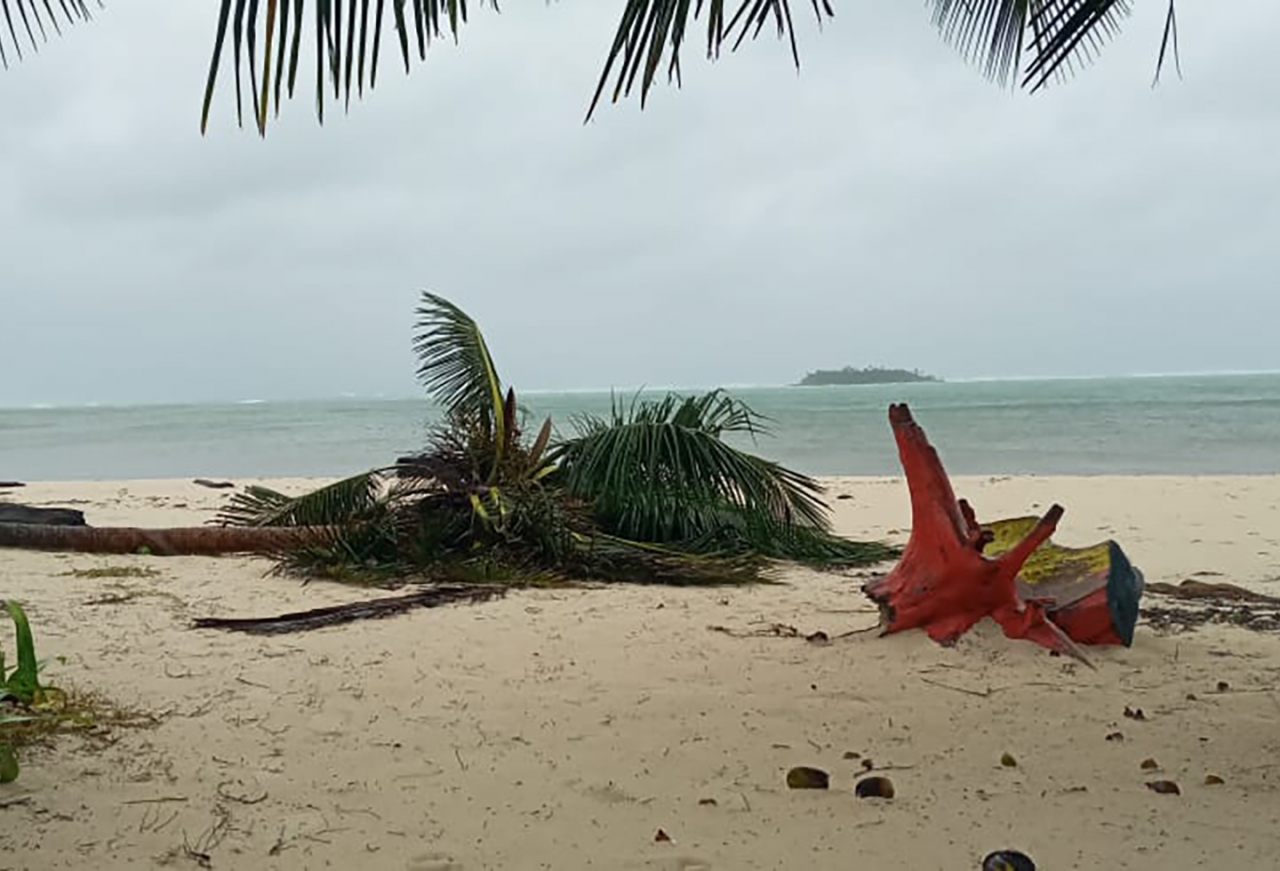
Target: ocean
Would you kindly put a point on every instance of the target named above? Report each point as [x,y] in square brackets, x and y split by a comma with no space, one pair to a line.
[1183,425]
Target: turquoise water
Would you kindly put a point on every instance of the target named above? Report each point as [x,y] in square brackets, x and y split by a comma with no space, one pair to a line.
[1156,425]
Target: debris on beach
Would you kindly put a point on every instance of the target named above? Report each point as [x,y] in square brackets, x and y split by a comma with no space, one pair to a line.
[431,596]
[874,787]
[1164,787]
[805,777]
[176,541]
[1193,603]
[1008,860]
[955,571]
[16,512]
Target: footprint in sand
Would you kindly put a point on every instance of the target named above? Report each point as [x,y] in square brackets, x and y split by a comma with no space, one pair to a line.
[688,863]
[433,862]
[679,863]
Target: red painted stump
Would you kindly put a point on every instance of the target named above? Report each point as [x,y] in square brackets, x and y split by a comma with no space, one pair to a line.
[943,584]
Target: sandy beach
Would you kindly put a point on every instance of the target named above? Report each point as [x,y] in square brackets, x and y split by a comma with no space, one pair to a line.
[566,728]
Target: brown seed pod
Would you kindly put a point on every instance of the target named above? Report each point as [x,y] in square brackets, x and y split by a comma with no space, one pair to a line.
[874,787]
[804,777]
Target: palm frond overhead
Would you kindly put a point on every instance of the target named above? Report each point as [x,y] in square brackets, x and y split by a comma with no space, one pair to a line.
[1034,40]
[346,41]
[455,367]
[651,35]
[1052,36]
[267,39]
[29,22]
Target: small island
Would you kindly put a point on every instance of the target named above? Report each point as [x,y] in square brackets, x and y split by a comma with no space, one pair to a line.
[868,375]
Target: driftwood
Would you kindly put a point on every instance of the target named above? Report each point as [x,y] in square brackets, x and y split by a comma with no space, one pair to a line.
[943,584]
[333,615]
[214,485]
[8,485]
[178,541]
[1219,592]
[12,512]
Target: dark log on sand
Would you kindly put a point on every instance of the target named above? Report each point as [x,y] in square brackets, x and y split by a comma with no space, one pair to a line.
[196,540]
[11,512]
[333,615]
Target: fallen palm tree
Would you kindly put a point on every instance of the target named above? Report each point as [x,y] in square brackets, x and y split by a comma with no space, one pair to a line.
[178,541]
[652,493]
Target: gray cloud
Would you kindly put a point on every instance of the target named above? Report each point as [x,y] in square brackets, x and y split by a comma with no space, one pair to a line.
[885,205]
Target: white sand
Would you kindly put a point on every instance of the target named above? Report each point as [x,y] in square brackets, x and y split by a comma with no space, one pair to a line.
[563,729]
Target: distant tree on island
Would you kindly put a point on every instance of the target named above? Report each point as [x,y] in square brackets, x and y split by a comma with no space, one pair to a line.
[868,375]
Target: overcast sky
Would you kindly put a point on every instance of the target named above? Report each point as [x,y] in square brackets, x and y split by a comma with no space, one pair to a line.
[887,205]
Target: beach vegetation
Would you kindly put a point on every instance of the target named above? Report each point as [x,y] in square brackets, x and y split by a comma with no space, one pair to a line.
[113,572]
[1030,42]
[651,492]
[32,712]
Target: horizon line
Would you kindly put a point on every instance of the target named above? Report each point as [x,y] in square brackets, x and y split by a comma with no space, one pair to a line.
[595,391]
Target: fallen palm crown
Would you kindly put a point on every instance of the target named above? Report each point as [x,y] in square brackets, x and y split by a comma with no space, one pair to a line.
[652,492]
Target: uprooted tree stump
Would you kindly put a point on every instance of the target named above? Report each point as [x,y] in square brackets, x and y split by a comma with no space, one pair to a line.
[943,583]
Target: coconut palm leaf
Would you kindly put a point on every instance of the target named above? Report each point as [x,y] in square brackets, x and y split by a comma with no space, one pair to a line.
[659,471]
[336,504]
[267,39]
[651,35]
[455,367]
[22,20]
[1056,36]
[738,531]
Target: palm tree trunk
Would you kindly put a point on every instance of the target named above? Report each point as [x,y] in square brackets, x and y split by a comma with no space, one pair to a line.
[195,540]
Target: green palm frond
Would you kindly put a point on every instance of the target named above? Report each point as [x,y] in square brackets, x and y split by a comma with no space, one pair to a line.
[268,37]
[651,35]
[736,531]
[32,19]
[335,504]
[659,471]
[611,558]
[1052,36]
[346,40]
[455,367]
